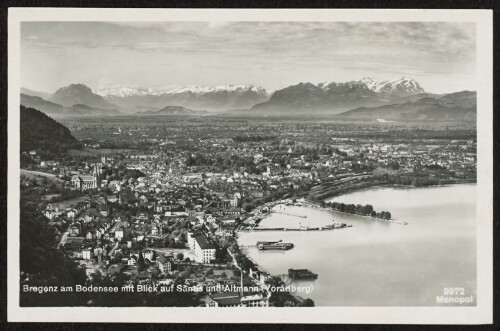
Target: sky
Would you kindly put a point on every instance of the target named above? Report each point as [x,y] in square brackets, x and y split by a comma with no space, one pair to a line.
[439,55]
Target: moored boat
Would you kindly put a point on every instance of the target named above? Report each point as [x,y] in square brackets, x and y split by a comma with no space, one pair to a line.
[335,226]
[273,245]
[302,274]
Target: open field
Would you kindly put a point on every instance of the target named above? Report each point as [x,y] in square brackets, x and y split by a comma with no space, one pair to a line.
[38,174]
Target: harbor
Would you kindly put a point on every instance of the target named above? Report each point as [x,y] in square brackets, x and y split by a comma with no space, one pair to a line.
[285,207]
[360,256]
[282,207]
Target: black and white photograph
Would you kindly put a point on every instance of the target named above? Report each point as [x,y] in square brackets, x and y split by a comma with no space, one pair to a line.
[314,165]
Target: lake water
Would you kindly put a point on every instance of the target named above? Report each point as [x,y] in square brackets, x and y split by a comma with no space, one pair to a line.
[375,263]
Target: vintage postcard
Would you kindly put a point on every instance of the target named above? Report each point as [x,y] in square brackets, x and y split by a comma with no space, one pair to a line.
[251,166]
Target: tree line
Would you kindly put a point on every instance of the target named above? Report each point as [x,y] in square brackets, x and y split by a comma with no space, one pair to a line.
[364,210]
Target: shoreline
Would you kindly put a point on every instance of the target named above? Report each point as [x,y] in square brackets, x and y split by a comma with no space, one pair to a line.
[389,185]
[355,189]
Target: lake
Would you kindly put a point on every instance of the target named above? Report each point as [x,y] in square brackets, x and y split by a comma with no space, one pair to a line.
[376,263]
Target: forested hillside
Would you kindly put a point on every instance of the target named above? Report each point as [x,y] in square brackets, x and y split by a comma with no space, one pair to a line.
[40,132]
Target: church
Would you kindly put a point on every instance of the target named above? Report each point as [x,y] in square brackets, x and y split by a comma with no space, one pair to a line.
[88,181]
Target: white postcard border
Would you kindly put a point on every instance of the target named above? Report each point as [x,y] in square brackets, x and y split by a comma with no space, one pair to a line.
[481,314]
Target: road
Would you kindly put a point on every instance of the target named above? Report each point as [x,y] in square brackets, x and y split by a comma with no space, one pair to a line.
[64,238]
[112,229]
[113,249]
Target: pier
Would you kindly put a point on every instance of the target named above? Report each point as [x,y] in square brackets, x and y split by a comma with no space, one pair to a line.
[301,228]
[286,213]
[397,222]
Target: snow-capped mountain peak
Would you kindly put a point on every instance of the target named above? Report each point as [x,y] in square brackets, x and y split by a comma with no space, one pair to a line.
[403,86]
[400,87]
[211,98]
[220,88]
[370,83]
[126,91]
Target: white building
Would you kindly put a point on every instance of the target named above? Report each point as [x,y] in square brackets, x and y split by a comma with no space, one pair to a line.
[119,234]
[165,263]
[204,249]
[190,240]
[87,254]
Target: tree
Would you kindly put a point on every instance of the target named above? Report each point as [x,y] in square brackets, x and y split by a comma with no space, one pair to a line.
[367,210]
[220,254]
[180,256]
[279,299]
[140,262]
[307,303]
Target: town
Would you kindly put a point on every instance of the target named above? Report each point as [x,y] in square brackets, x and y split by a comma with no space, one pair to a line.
[159,202]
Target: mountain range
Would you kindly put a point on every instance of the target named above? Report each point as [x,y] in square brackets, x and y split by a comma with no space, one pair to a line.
[134,100]
[333,98]
[213,99]
[365,99]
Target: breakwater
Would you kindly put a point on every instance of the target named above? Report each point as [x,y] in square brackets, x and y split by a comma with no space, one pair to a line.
[319,228]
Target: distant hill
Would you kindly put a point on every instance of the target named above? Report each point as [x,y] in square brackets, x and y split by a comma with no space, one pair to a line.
[176,111]
[414,97]
[43,95]
[459,106]
[79,94]
[56,110]
[40,132]
[49,108]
